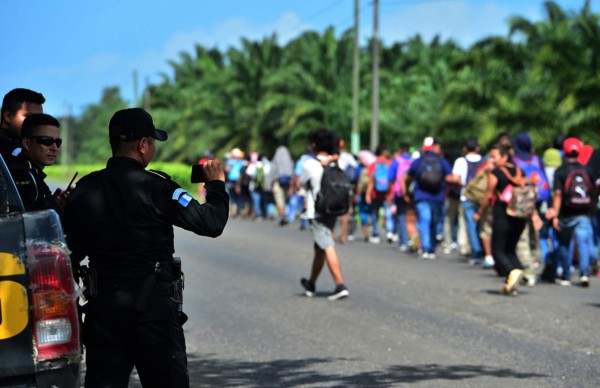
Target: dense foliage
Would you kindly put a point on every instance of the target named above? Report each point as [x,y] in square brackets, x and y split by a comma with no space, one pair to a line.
[542,77]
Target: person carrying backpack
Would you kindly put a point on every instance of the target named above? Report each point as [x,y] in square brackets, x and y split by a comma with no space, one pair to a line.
[349,166]
[464,171]
[572,206]
[506,228]
[533,169]
[398,169]
[429,173]
[378,192]
[322,177]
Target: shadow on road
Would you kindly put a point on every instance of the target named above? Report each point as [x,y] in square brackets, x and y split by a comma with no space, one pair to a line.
[211,372]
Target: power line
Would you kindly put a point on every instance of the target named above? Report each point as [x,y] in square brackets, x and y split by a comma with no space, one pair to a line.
[414,2]
[324,10]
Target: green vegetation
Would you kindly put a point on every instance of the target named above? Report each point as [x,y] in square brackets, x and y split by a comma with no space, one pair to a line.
[543,78]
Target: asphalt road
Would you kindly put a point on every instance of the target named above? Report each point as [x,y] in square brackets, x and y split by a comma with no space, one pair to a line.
[407,322]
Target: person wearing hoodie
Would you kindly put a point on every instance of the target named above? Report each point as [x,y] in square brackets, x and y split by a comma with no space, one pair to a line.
[533,168]
[280,179]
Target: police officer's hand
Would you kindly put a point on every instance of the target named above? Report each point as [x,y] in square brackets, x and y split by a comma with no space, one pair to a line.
[213,170]
[61,197]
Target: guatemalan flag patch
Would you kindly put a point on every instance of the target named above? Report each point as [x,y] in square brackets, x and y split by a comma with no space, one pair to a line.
[182,197]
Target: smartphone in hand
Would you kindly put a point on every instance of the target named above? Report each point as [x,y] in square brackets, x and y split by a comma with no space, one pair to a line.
[198,174]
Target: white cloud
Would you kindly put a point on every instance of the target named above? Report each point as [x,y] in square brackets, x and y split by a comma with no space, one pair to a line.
[464,22]
[224,35]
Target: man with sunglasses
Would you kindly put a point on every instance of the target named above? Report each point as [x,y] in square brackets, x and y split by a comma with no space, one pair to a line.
[122,219]
[16,106]
[40,142]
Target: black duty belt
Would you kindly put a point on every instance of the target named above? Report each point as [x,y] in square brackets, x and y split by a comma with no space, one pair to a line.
[133,286]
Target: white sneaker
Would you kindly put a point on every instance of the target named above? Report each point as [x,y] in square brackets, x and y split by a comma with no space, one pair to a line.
[488,262]
[403,248]
[390,237]
[431,256]
[529,280]
[425,256]
[585,281]
[374,240]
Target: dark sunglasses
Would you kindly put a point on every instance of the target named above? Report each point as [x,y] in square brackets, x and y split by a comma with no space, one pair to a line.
[47,140]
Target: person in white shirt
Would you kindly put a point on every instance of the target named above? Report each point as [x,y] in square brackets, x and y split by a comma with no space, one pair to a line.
[325,146]
[465,168]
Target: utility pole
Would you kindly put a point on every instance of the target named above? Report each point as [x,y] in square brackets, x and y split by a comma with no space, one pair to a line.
[375,92]
[147,95]
[67,135]
[136,100]
[355,139]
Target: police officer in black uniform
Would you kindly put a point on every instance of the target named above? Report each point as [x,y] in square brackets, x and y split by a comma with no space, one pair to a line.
[40,146]
[122,219]
[16,105]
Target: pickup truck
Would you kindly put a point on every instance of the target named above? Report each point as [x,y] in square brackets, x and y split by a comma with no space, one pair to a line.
[39,325]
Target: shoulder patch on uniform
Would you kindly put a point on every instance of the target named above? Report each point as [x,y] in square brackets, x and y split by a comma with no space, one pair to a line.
[159,173]
[182,197]
[185,200]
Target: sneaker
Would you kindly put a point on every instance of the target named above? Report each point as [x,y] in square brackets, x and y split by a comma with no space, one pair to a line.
[340,292]
[390,237]
[512,282]
[563,282]
[447,250]
[431,256]
[309,287]
[403,248]
[488,262]
[374,240]
[350,237]
[474,261]
[585,281]
[506,291]
[425,256]
[529,280]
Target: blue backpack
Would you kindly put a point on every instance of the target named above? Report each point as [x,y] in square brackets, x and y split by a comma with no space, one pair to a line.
[534,173]
[382,179]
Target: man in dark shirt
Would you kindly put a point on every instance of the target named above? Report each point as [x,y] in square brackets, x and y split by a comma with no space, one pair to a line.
[40,147]
[16,105]
[573,203]
[122,219]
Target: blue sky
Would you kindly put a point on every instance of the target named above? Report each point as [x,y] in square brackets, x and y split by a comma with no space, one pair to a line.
[69,50]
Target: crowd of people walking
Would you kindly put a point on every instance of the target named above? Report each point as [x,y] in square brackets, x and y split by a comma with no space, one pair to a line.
[529,217]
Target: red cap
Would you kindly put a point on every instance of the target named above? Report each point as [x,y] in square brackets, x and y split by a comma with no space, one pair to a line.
[572,145]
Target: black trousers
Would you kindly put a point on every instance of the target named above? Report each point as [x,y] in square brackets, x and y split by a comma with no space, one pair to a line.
[117,339]
[506,231]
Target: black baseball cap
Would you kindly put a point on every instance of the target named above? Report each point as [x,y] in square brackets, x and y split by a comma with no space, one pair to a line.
[132,124]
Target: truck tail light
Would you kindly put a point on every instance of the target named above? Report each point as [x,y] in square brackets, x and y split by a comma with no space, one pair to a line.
[56,325]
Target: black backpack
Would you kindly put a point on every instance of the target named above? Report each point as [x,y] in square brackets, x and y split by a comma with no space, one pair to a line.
[430,175]
[336,192]
[578,189]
